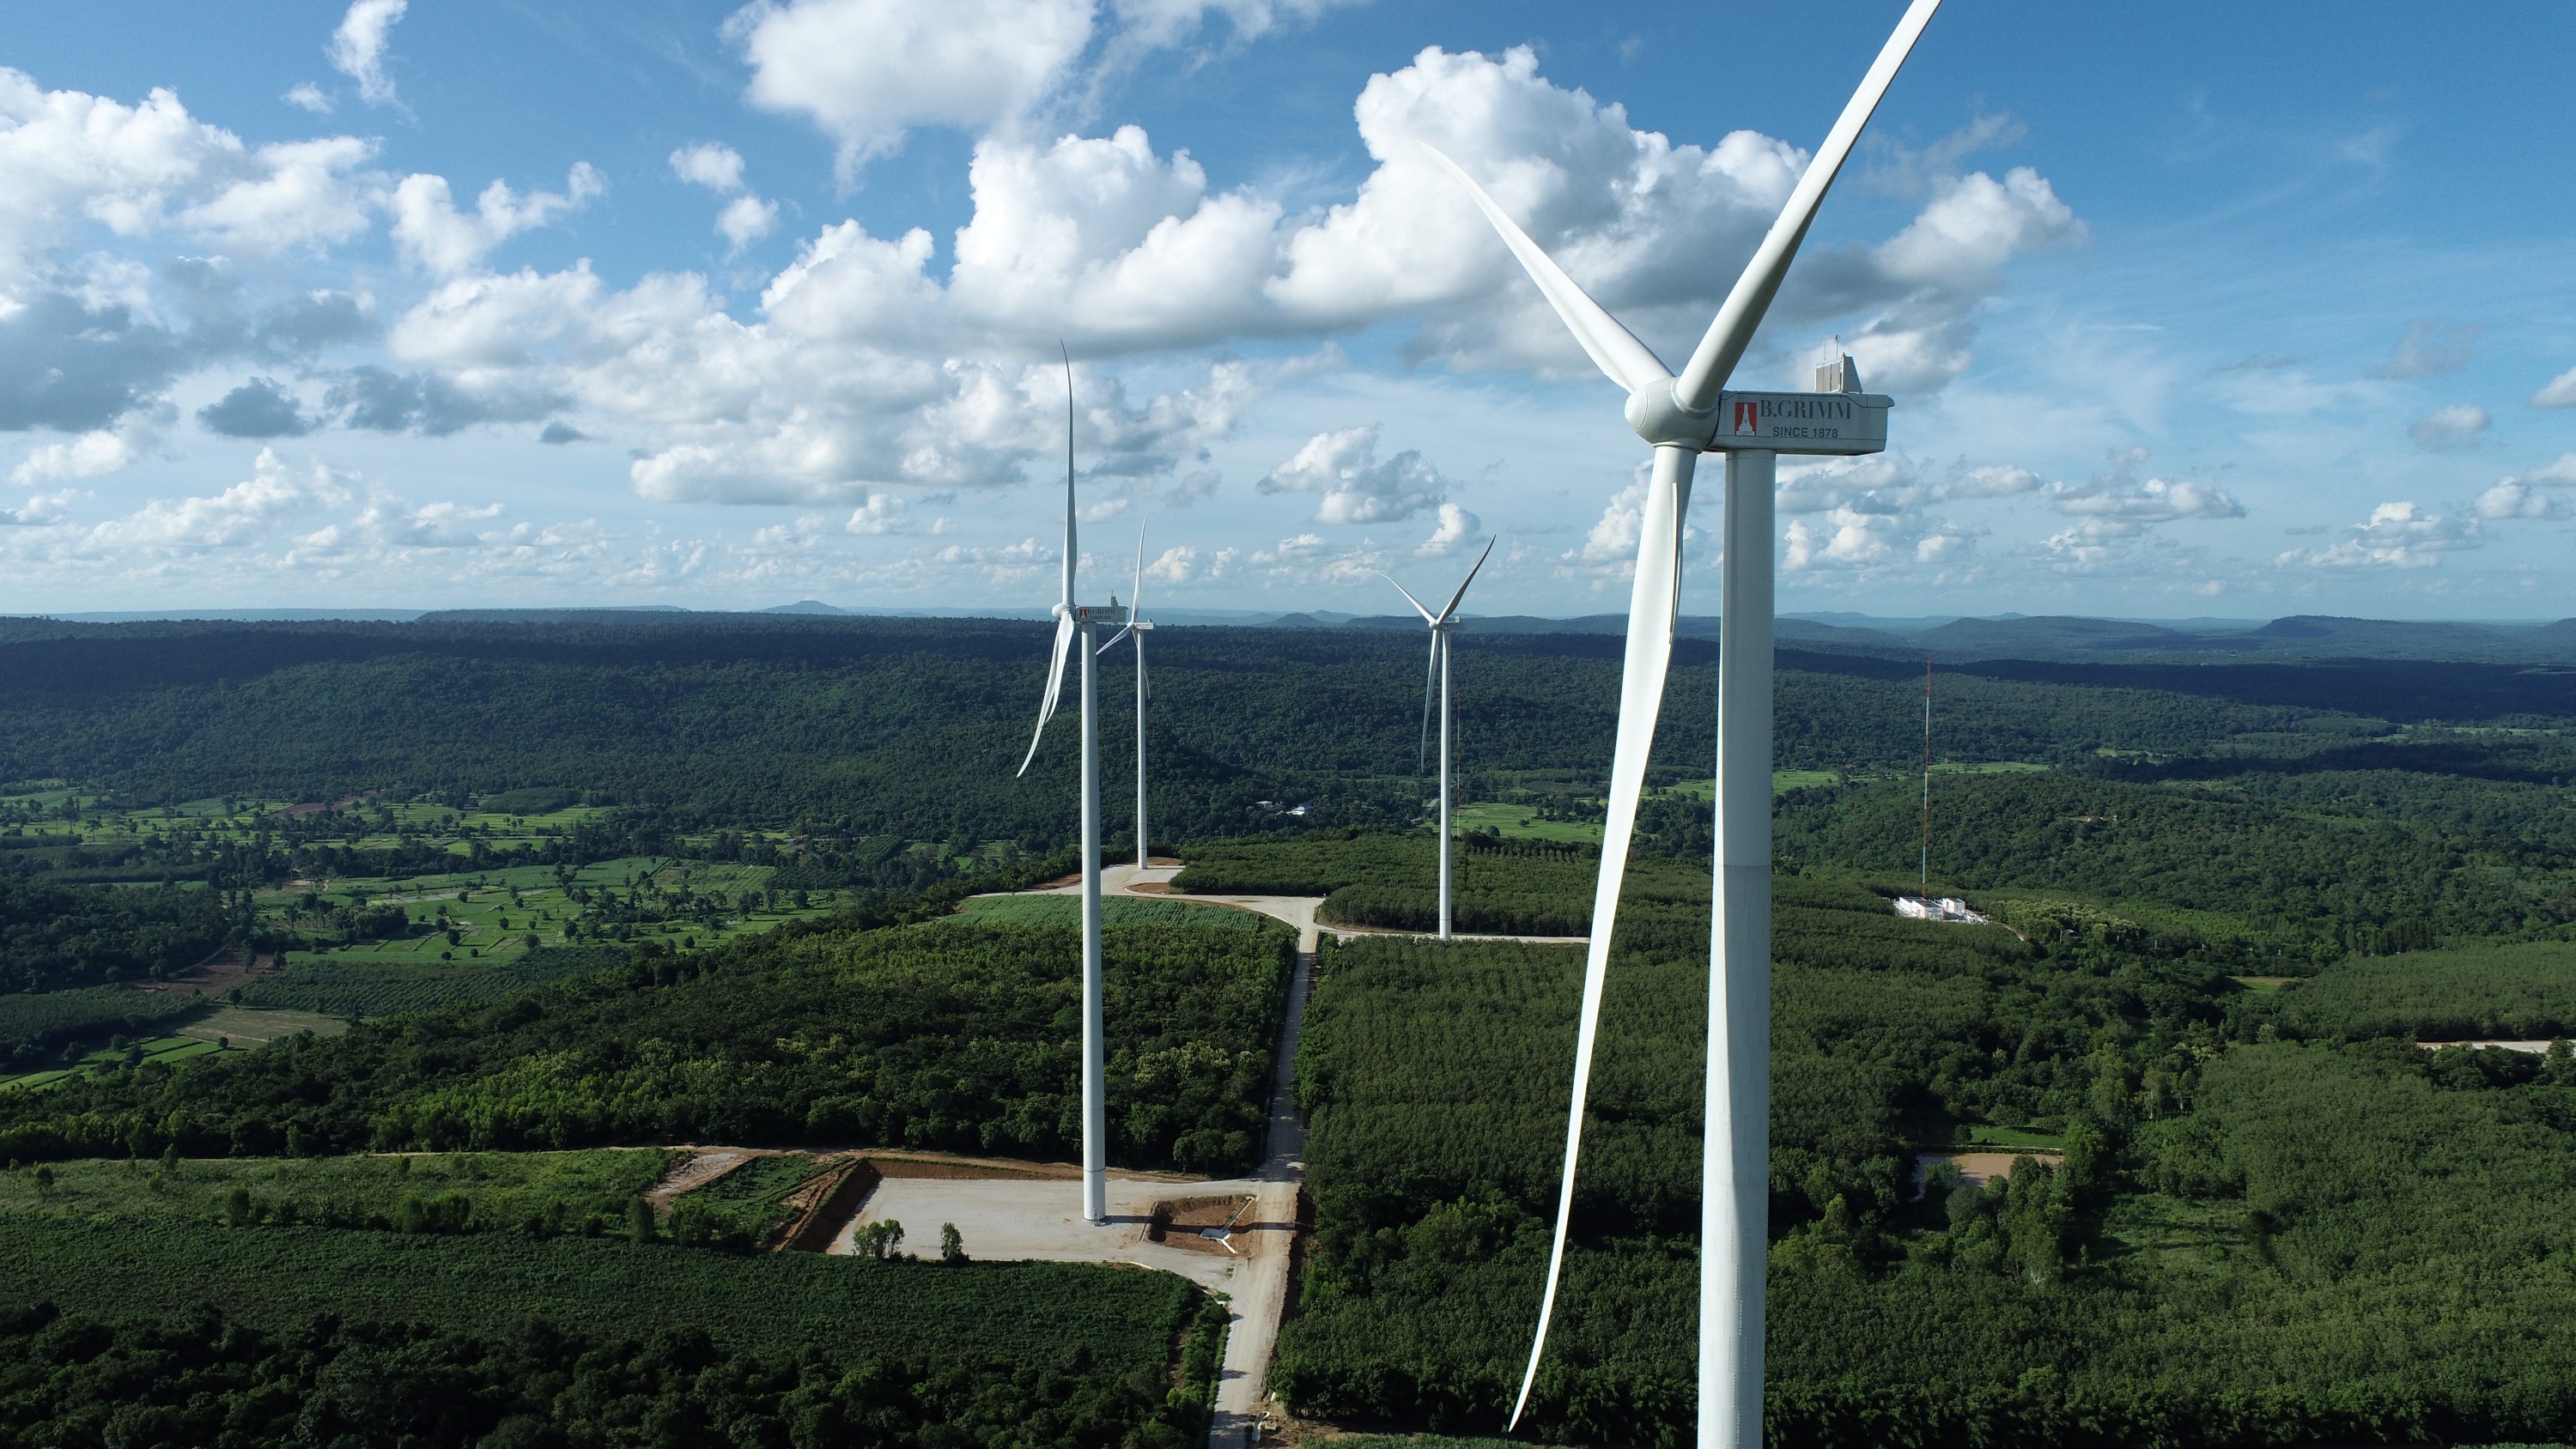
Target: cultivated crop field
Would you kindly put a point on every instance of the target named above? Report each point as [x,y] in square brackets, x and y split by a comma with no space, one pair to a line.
[354,987]
[531,1193]
[1066,910]
[841,1309]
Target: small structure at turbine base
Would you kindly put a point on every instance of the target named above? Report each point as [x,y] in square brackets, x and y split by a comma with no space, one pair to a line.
[1945,908]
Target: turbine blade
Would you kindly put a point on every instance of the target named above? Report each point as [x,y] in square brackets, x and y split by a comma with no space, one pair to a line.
[1136,599]
[1471,578]
[1113,640]
[1410,599]
[1055,685]
[1068,477]
[1613,348]
[1713,361]
[1430,683]
[1641,696]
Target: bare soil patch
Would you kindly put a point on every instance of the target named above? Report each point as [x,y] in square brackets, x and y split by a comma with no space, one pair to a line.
[215,975]
[1182,1222]
[306,808]
[691,1173]
[1976,1169]
[941,1165]
[824,1204]
[247,1026]
[1150,888]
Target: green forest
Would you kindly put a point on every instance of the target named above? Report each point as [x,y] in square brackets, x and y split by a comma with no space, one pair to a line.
[940,1035]
[54,937]
[912,727]
[455,932]
[2284,1177]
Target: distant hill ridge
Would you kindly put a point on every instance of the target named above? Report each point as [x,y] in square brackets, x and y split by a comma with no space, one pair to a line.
[1947,639]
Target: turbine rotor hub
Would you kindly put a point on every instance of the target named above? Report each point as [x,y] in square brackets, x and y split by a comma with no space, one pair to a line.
[1661,420]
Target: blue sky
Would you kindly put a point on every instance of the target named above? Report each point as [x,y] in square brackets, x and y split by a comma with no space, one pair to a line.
[2203,310]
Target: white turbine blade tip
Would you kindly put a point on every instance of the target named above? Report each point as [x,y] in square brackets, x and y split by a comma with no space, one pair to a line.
[1731,331]
[1455,598]
[1410,599]
[1611,346]
[1641,695]
[1055,685]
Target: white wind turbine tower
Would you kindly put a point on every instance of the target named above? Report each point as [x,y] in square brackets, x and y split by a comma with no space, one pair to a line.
[1682,417]
[1085,619]
[1441,624]
[1137,623]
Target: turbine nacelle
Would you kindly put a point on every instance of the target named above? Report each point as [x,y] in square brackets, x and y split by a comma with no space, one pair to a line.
[1824,421]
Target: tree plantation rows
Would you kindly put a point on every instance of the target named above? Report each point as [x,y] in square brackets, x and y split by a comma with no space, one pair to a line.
[204,1378]
[2253,1218]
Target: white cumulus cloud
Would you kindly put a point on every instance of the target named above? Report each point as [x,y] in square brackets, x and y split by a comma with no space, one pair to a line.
[867,71]
[74,159]
[1358,487]
[2116,504]
[358,47]
[1458,528]
[2398,535]
[180,525]
[437,237]
[91,455]
[2543,492]
[746,219]
[880,513]
[1174,565]
[711,164]
[2558,392]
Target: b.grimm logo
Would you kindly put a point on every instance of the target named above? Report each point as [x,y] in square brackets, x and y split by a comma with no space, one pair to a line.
[1748,417]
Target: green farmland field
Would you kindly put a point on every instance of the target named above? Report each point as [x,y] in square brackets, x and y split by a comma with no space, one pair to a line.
[343,984]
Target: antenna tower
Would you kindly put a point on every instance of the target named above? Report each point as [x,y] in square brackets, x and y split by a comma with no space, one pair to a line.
[1923,862]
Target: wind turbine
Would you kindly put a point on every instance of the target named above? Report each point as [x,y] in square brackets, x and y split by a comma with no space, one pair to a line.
[1682,417]
[1137,623]
[1072,618]
[1441,625]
